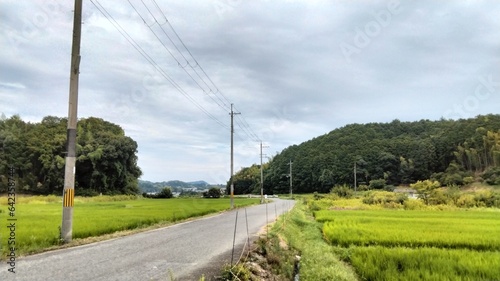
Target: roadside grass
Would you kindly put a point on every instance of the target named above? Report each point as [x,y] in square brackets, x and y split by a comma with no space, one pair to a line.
[318,261]
[396,228]
[39,217]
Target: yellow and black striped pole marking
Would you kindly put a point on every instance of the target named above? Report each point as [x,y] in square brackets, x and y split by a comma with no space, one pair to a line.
[69,197]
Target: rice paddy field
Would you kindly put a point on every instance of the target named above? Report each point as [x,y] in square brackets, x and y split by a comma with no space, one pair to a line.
[39,218]
[392,244]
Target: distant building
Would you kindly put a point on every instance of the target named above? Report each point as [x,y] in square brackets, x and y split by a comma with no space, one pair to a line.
[412,193]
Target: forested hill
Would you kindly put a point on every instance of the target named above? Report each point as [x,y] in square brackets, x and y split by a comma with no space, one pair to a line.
[106,158]
[399,152]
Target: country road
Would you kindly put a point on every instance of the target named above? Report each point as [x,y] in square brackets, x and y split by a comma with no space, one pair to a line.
[183,251]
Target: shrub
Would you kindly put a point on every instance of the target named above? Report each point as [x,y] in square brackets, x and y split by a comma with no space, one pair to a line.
[85,192]
[389,199]
[377,184]
[343,191]
[414,204]
[165,193]
[317,196]
[363,187]
[213,192]
[492,176]
[437,197]
[425,189]
[452,193]
[466,201]
[468,180]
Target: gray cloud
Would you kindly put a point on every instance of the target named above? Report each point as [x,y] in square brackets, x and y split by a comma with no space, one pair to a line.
[284,64]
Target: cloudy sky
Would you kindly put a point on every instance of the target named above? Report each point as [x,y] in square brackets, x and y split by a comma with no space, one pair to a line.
[293,69]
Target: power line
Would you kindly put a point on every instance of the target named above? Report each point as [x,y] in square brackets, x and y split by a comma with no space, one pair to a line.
[219,102]
[212,91]
[227,102]
[143,53]
[242,123]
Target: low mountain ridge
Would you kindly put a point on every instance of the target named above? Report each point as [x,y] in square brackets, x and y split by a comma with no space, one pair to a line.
[175,185]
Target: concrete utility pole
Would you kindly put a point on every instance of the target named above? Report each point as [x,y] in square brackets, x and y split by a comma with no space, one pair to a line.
[261,175]
[232,150]
[291,184]
[69,171]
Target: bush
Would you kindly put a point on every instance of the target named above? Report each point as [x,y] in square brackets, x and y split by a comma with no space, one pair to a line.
[389,188]
[466,201]
[452,193]
[468,180]
[165,193]
[85,192]
[425,189]
[389,199]
[318,196]
[414,204]
[363,187]
[377,184]
[492,176]
[438,197]
[213,192]
[343,191]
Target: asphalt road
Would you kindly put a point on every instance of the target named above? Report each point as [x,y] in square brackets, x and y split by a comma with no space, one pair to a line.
[180,252]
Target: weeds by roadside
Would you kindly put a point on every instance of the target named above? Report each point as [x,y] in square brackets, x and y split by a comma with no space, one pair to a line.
[294,236]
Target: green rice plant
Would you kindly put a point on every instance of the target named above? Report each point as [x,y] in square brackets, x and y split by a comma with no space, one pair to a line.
[443,229]
[39,217]
[380,263]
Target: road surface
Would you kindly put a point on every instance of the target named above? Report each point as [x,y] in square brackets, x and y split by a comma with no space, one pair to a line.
[182,252]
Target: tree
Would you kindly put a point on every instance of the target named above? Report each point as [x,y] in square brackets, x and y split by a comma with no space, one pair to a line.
[399,152]
[213,192]
[106,158]
[425,189]
[377,184]
[165,193]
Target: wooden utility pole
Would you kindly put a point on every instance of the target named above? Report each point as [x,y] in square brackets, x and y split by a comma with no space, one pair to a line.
[69,170]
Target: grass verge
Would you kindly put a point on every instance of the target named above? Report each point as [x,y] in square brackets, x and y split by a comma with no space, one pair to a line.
[318,261]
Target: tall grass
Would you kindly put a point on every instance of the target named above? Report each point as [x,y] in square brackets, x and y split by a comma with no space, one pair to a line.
[39,217]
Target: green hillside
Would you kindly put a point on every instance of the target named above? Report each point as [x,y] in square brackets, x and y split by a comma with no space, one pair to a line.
[397,152]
